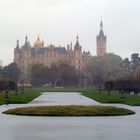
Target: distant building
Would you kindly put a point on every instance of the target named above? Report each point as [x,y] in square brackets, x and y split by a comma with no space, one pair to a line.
[101,41]
[28,55]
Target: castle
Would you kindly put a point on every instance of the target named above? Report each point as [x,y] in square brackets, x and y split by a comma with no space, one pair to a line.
[27,55]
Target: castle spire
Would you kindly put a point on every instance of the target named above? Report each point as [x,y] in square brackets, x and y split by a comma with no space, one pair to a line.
[101,33]
[101,25]
[17,49]
[77,46]
[17,43]
[26,39]
[77,38]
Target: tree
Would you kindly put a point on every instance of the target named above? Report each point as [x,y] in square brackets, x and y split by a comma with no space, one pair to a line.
[3,82]
[12,72]
[38,75]
[135,61]
[132,64]
[53,75]
[6,85]
[105,68]
[109,86]
[68,74]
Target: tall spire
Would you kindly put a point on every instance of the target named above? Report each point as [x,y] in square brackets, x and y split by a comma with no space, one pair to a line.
[101,33]
[77,38]
[17,43]
[77,46]
[17,49]
[101,25]
[26,39]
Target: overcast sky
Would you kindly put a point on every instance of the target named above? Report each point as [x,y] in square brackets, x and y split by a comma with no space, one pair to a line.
[59,21]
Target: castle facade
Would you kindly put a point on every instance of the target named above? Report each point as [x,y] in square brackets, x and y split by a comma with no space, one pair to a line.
[27,55]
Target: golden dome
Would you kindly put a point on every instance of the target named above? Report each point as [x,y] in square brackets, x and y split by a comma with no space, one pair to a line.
[38,43]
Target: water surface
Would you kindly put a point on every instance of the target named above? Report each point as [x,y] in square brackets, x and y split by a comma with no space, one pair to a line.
[68,128]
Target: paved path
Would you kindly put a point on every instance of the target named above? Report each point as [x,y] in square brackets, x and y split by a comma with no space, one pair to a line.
[62,98]
[68,128]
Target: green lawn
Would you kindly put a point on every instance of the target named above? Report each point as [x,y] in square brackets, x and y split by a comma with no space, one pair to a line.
[103,97]
[70,111]
[31,94]
[26,97]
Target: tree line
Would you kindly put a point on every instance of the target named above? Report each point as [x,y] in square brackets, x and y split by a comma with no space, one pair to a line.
[61,74]
[112,67]
[109,67]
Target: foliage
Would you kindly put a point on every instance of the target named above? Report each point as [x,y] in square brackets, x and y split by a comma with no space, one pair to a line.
[3,82]
[7,85]
[11,71]
[109,86]
[64,73]
[136,75]
[133,63]
[52,75]
[104,68]
[68,74]
[70,111]
[38,74]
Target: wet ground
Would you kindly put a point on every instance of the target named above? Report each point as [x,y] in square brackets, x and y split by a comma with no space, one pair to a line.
[68,128]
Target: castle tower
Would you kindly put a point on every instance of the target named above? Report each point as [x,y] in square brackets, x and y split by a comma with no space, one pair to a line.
[77,47]
[101,40]
[17,52]
[77,55]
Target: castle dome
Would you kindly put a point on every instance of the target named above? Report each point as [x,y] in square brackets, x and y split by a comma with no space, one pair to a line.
[38,43]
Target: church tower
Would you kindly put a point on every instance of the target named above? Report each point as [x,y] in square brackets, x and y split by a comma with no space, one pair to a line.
[101,40]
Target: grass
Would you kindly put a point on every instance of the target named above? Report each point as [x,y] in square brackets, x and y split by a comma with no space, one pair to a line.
[31,94]
[103,97]
[70,111]
[26,97]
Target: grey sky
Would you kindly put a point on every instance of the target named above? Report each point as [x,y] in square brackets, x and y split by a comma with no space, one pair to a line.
[59,21]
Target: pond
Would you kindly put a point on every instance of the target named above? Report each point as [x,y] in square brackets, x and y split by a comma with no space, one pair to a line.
[68,128]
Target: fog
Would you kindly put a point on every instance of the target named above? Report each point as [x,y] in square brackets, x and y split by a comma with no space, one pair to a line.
[59,21]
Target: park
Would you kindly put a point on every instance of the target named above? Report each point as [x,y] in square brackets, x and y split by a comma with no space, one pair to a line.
[65,111]
[69,70]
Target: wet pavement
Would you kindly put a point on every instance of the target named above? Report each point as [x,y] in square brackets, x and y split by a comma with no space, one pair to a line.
[68,128]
